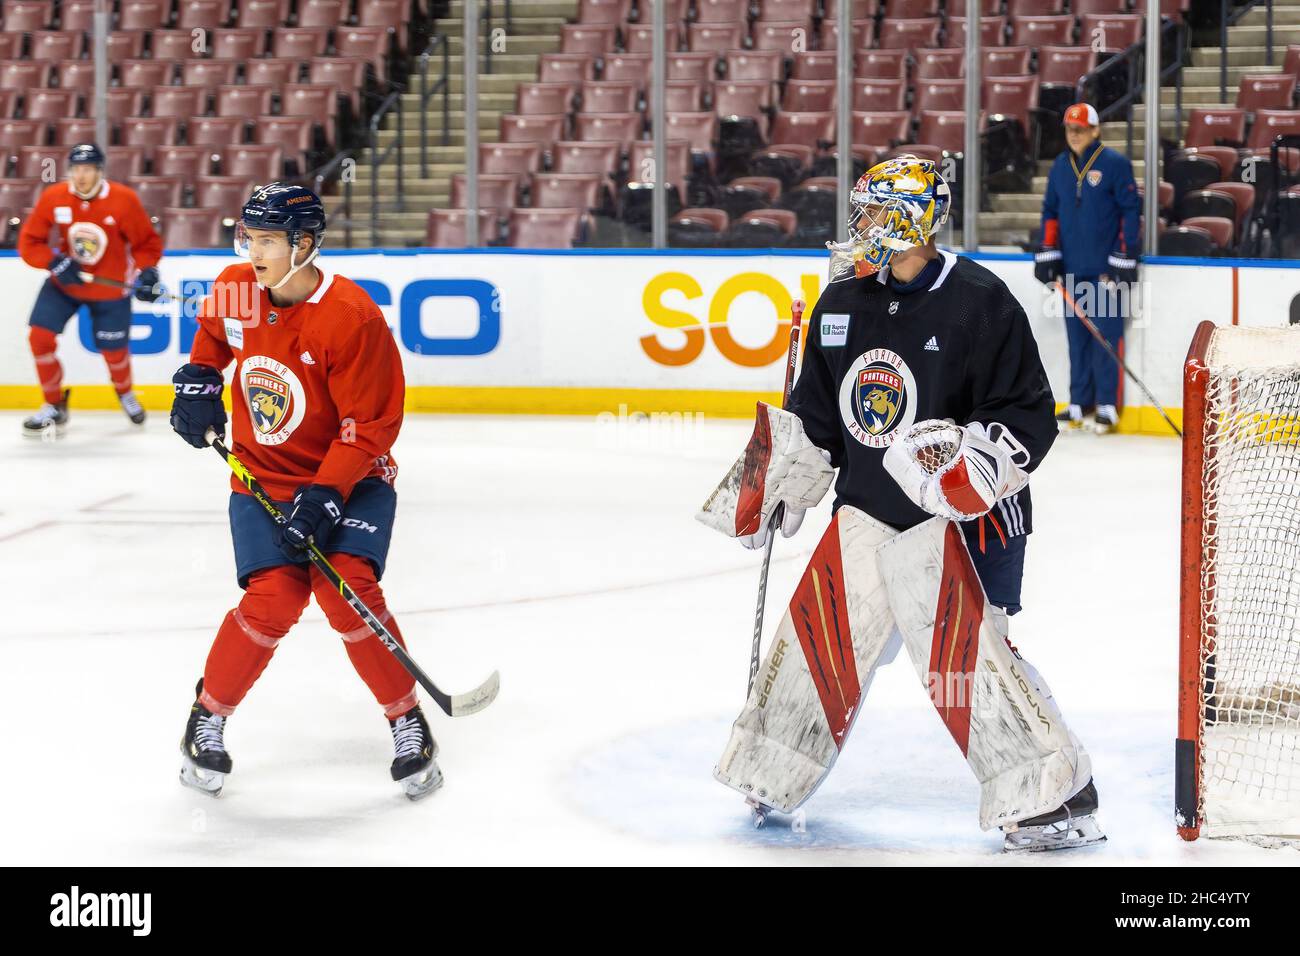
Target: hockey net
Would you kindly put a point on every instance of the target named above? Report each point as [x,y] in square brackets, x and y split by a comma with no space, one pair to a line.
[1238,752]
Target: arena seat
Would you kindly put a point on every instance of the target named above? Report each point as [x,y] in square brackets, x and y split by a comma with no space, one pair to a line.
[581,38]
[941,64]
[882,127]
[1270,124]
[628,68]
[566,68]
[1110,33]
[27,16]
[304,43]
[822,66]
[543,128]
[446,228]
[277,71]
[544,228]
[603,12]
[745,193]
[1221,230]
[713,37]
[225,193]
[608,127]
[602,96]
[761,228]
[143,14]
[243,101]
[699,227]
[549,98]
[721,11]
[575,157]
[55,45]
[258,162]
[181,102]
[192,228]
[754,65]
[1035,31]
[1210,127]
[876,95]
[1192,241]
[496,191]
[909,34]
[938,95]
[1266,91]
[640,39]
[693,66]
[510,157]
[810,96]
[881,64]
[993,32]
[214,131]
[188,162]
[569,191]
[1006,61]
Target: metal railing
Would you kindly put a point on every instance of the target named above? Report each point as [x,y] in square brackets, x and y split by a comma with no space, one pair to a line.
[393,103]
[443,86]
[320,176]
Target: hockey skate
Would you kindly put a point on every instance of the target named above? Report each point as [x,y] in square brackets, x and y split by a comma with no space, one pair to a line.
[414,748]
[1072,824]
[1070,419]
[758,812]
[203,749]
[49,421]
[1106,420]
[131,405]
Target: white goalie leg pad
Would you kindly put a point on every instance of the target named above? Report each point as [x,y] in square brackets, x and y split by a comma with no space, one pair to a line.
[993,703]
[779,465]
[835,632]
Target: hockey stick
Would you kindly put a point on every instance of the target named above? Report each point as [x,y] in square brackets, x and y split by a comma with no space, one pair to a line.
[1096,334]
[457,705]
[102,280]
[796,319]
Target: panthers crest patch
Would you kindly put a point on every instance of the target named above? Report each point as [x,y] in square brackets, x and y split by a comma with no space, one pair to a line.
[878,398]
[275,396]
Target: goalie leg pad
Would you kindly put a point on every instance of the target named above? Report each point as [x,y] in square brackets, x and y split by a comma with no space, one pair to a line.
[834,634]
[993,703]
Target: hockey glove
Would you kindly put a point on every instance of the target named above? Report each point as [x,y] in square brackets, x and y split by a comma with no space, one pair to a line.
[1048,266]
[66,271]
[957,472]
[316,511]
[780,465]
[197,405]
[1122,268]
[148,285]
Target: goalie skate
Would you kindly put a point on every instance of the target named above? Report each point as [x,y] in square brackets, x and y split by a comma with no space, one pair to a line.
[758,812]
[1073,825]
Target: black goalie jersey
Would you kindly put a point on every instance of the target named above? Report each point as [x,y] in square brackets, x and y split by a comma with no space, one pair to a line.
[879,357]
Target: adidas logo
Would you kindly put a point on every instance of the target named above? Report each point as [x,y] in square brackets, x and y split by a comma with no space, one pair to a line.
[932,345]
[308,360]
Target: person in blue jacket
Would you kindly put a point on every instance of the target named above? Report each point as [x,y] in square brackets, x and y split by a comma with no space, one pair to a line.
[1091,245]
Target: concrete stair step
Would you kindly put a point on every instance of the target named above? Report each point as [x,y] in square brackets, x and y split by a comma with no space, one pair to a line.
[488,84]
[1168,111]
[520,26]
[1195,77]
[1016,202]
[512,44]
[502,63]
[1257,35]
[1282,16]
[522,9]
[1237,55]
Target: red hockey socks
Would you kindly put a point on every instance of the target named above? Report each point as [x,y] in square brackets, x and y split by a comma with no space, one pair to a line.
[48,368]
[250,633]
[119,369]
[387,679]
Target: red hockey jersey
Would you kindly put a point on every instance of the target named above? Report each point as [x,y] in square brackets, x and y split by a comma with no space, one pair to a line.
[109,235]
[318,389]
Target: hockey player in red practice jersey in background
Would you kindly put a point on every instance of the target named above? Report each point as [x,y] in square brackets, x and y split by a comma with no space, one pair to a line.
[317,397]
[103,231]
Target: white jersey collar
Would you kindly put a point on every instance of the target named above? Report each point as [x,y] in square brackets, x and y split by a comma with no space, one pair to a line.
[326,280]
[949,260]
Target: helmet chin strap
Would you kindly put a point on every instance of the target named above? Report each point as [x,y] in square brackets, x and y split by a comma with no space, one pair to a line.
[293,267]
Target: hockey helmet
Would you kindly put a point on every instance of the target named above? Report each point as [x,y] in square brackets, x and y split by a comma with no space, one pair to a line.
[283,207]
[86,154]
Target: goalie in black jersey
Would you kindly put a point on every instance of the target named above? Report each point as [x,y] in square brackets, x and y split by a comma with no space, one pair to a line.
[922,396]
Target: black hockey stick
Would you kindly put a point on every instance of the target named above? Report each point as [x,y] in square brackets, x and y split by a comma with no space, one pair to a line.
[796,319]
[457,705]
[1096,334]
[102,280]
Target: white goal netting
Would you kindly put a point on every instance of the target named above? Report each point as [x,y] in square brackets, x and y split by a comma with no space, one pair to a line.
[1250,585]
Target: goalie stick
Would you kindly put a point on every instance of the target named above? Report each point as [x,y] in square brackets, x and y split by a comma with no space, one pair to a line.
[796,320]
[454,705]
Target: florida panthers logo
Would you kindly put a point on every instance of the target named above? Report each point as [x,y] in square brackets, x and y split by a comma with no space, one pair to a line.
[87,242]
[878,398]
[276,399]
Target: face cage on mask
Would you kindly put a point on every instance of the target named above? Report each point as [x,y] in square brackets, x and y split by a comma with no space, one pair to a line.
[869,251]
[293,235]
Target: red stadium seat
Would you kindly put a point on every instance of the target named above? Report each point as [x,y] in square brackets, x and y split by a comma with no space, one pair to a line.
[818,66]
[143,14]
[510,157]
[881,64]
[207,74]
[23,76]
[939,95]
[789,10]
[1011,96]
[1042,31]
[606,127]
[273,71]
[27,16]
[762,227]
[940,64]
[743,65]
[862,9]
[192,228]
[810,96]
[1064,66]
[150,131]
[693,66]
[576,157]
[10,46]
[721,11]
[945,129]
[122,104]
[244,101]
[568,191]
[1005,61]
[1221,230]
[987,8]
[8,100]
[809,130]
[881,128]
[566,68]
[640,39]
[254,162]
[1209,127]
[347,73]
[1082,8]
[371,42]
[262,13]
[1270,124]
[677,162]
[603,12]
[303,43]
[78,15]
[39,162]
[147,74]
[497,191]
[187,162]
[293,134]
[1034,8]
[222,192]
[446,228]
[606,97]
[993,32]
[909,34]
[696,227]
[322,13]
[913,9]
[55,45]
[541,128]
[69,132]
[1110,33]
[751,99]
[51,104]
[1266,91]
[716,37]
[544,228]
[863,35]
[697,128]
[127,45]
[158,192]
[869,95]
[628,68]
[202,14]
[16,194]
[215,130]
[674,12]
[1291,65]
[683,96]
[319,101]
[532,98]
[22,132]
[179,101]
[580,38]
[239,44]
[1243,197]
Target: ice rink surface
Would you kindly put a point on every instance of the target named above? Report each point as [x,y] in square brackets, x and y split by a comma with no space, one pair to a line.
[563,552]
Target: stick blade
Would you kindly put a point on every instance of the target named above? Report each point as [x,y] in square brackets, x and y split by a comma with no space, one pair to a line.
[480,697]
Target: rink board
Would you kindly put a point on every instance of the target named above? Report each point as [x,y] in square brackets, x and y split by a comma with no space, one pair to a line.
[618,333]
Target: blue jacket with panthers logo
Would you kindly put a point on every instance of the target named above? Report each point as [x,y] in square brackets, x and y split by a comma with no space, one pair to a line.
[1092,210]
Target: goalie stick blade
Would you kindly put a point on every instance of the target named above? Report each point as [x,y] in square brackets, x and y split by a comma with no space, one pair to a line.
[462,705]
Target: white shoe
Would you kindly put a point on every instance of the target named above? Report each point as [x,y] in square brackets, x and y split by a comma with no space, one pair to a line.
[49,420]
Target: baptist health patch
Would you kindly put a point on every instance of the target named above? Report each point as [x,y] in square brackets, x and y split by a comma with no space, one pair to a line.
[834,329]
[234,333]
[878,398]
[276,399]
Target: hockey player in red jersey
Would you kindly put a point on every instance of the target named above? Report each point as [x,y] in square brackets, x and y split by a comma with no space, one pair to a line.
[317,397]
[103,234]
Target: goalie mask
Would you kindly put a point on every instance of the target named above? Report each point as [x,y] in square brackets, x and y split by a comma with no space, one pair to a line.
[896,205]
[280,207]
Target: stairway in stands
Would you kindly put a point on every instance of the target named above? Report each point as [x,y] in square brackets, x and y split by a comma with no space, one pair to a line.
[1014,214]
[535,30]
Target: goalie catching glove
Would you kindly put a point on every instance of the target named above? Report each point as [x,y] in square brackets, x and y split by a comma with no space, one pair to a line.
[954,471]
[779,466]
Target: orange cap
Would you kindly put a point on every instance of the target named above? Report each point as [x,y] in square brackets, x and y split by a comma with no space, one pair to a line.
[1081,114]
